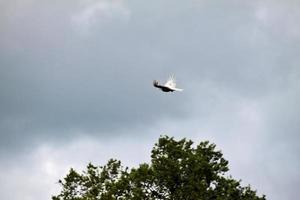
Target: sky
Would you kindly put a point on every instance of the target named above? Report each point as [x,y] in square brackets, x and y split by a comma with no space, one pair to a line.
[76,87]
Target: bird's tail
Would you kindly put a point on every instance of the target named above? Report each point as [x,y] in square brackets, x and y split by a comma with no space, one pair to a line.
[178,89]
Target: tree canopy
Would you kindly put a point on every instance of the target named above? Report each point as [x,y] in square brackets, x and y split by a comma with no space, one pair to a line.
[179,170]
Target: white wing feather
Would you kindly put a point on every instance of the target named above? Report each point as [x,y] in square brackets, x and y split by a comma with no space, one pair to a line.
[171,83]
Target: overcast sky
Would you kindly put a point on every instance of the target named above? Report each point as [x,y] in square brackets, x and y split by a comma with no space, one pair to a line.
[76,87]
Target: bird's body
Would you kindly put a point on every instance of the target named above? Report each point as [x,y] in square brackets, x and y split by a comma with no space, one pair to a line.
[169,86]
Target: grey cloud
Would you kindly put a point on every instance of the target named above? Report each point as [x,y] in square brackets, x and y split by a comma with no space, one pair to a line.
[97,84]
[240,77]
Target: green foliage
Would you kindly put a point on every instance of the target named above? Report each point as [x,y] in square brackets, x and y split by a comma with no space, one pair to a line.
[178,171]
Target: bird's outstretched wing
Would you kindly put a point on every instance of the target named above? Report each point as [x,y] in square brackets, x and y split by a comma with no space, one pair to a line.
[171,82]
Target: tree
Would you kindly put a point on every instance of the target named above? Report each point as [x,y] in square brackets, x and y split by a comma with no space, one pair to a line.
[178,171]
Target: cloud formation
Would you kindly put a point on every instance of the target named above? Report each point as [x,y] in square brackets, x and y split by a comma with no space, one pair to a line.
[75,79]
[97,12]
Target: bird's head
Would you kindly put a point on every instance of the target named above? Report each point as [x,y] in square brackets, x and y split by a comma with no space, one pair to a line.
[155,83]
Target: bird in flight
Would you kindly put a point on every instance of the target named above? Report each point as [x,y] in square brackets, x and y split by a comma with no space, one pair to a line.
[169,86]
